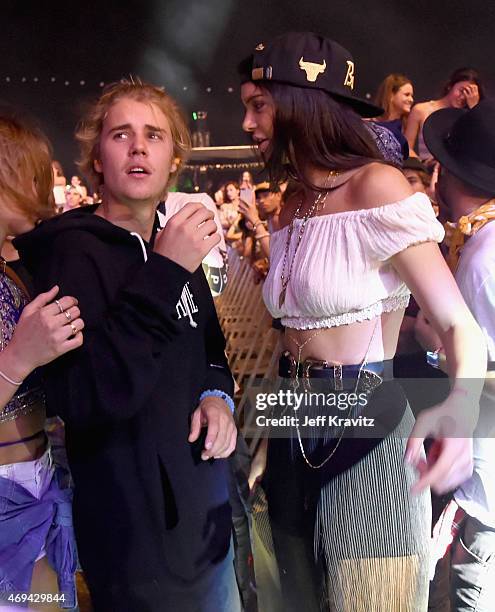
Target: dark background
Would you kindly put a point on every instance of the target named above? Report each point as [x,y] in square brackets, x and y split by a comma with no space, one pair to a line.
[53,57]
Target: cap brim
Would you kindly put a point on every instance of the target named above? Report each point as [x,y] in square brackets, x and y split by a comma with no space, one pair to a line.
[362,107]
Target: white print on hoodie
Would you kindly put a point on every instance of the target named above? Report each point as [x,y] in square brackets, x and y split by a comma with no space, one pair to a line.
[186,306]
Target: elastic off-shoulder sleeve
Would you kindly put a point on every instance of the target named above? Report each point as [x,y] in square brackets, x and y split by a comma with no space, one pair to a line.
[388,230]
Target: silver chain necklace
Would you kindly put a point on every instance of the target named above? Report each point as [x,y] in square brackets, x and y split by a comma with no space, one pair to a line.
[318,203]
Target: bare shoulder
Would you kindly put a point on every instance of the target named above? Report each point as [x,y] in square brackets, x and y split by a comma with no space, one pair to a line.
[378,184]
[420,110]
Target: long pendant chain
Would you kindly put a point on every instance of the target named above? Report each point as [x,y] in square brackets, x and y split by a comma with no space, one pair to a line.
[341,435]
[300,346]
[318,204]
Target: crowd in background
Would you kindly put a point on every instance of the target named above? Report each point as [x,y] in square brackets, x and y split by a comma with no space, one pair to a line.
[69,195]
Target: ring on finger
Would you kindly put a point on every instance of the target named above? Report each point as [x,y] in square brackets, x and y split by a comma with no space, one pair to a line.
[59,306]
[74,329]
[68,315]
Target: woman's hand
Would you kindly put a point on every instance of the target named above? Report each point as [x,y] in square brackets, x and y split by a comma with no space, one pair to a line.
[250,212]
[471,94]
[450,459]
[46,329]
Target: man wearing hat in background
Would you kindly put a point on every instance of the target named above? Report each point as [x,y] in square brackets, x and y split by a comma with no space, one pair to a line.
[464,144]
[262,216]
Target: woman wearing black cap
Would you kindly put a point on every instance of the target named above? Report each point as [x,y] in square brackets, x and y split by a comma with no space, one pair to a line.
[348,514]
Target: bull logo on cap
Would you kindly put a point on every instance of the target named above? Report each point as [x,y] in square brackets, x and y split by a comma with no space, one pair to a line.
[311,69]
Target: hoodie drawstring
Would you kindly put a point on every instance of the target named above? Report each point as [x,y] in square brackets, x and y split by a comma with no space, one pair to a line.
[141,242]
[186,306]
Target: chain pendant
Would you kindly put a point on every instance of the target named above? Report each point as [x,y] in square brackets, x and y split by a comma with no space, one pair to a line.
[281,297]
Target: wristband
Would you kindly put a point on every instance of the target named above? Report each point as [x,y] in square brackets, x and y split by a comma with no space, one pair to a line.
[221,394]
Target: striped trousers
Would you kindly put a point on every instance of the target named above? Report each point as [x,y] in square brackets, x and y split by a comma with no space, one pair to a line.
[354,541]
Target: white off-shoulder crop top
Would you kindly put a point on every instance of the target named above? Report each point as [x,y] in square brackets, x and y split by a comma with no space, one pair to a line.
[341,272]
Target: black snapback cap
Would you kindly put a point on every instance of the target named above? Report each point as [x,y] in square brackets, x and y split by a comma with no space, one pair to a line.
[304,59]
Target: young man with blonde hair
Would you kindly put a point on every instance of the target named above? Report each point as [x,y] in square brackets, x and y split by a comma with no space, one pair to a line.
[151,507]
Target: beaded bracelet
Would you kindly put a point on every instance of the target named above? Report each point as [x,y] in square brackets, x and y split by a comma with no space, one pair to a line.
[16,383]
[221,394]
[255,225]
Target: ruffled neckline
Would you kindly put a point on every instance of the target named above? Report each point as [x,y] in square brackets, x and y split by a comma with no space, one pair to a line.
[358,212]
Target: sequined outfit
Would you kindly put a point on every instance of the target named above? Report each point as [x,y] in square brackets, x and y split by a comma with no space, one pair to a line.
[29,396]
[35,503]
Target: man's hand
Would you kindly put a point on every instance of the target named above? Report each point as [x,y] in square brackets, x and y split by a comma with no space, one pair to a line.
[450,459]
[221,437]
[189,236]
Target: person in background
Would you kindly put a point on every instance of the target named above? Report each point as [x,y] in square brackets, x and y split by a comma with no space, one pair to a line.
[76,182]
[463,142]
[246,187]
[59,185]
[219,196]
[396,96]
[73,199]
[463,89]
[262,217]
[417,174]
[236,234]
[229,210]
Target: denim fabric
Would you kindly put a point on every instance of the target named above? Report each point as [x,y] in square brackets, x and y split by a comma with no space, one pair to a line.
[465,578]
[473,568]
[35,513]
[222,595]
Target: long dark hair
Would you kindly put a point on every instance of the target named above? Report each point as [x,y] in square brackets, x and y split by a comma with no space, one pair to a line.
[310,126]
[464,74]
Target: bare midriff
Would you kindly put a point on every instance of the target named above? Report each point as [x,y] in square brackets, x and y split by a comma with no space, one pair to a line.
[347,344]
[23,427]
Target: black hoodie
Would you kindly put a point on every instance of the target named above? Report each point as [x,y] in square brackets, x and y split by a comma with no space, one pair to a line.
[151,517]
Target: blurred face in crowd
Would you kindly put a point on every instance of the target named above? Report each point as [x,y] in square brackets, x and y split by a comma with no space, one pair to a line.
[219,199]
[232,192]
[457,95]
[259,115]
[73,198]
[75,181]
[246,177]
[414,180]
[136,151]
[402,101]
[268,203]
